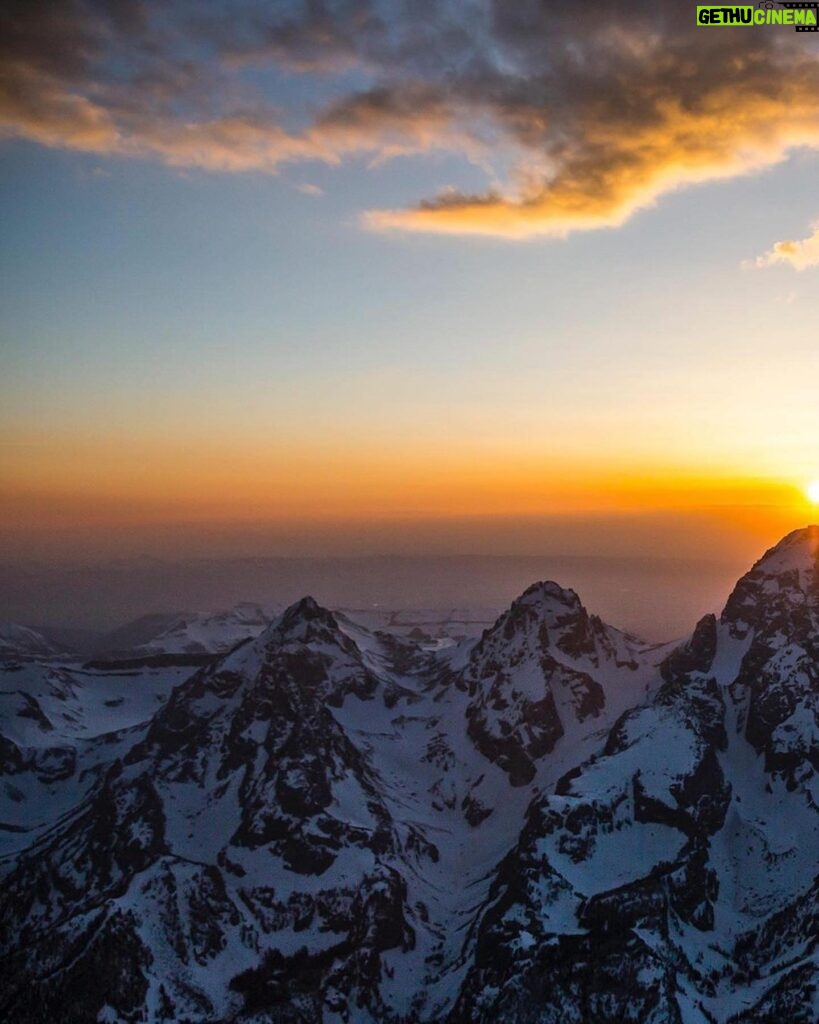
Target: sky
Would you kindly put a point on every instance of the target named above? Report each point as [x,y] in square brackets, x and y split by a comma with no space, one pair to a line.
[348,277]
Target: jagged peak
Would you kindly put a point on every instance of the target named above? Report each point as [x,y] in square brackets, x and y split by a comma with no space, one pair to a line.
[798,550]
[302,620]
[547,603]
[306,609]
[541,608]
[548,592]
[778,581]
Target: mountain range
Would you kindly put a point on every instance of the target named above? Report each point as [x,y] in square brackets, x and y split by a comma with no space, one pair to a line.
[330,821]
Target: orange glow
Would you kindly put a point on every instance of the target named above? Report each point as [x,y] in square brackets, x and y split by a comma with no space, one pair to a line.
[81,500]
[151,481]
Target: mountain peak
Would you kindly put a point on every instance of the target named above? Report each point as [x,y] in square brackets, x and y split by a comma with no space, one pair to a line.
[303,620]
[543,605]
[306,607]
[784,583]
[798,550]
[548,592]
[555,787]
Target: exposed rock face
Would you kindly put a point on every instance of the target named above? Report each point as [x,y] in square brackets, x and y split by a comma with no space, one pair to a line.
[659,881]
[552,823]
[240,786]
[536,667]
[775,610]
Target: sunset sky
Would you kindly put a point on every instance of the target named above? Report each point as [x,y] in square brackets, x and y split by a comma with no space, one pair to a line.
[312,276]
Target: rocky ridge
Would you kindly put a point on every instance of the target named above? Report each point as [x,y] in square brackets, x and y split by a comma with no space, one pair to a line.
[552,822]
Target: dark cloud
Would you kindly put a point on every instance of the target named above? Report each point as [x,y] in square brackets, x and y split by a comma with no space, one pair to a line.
[597,108]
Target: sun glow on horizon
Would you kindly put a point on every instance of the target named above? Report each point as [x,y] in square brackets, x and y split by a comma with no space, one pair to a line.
[812,492]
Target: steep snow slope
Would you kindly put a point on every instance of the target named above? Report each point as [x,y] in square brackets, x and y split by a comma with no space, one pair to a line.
[551,822]
[672,877]
[315,769]
[58,725]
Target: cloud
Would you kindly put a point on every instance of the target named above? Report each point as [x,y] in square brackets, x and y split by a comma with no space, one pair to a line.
[310,190]
[800,255]
[620,119]
[580,115]
[84,75]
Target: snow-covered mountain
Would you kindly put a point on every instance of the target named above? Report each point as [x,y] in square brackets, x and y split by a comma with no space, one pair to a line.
[196,634]
[550,822]
[671,876]
[186,633]
[19,643]
[60,725]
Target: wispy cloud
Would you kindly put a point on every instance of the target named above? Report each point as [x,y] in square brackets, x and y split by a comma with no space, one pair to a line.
[593,112]
[800,255]
[310,190]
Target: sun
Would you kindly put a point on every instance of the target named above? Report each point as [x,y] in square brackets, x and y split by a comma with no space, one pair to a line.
[812,492]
